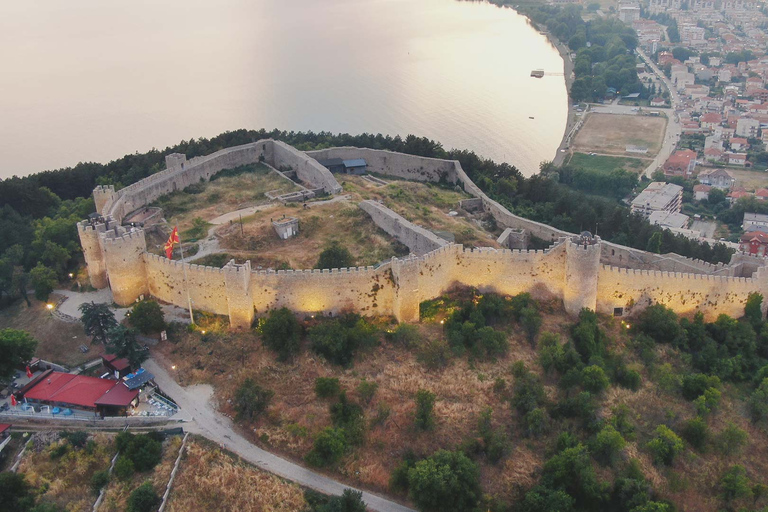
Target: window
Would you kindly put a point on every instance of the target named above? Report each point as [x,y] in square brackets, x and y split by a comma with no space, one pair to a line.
[618,311]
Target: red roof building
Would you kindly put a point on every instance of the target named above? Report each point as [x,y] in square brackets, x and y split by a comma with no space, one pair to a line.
[4,430]
[77,391]
[754,242]
[119,367]
[681,163]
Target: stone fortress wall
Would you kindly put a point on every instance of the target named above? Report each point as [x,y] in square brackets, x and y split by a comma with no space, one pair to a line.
[581,271]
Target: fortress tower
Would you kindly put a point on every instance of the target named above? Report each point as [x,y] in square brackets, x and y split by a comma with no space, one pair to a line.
[124,258]
[239,300]
[407,298]
[90,234]
[175,161]
[102,195]
[582,265]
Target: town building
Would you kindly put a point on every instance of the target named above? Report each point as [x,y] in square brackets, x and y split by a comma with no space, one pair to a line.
[118,367]
[681,163]
[105,397]
[747,128]
[754,243]
[701,192]
[739,159]
[658,197]
[755,222]
[718,178]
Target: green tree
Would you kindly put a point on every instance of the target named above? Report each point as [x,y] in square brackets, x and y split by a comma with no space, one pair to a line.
[251,400]
[98,480]
[665,446]
[43,280]
[97,320]
[17,348]
[15,492]
[327,387]
[753,310]
[731,439]
[281,333]
[530,320]
[654,243]
[607,445]
[544,499]
[659,322]
[123,343]
[445,477]
[758,402]
[594,379]
[349,501]
[147,317]
[696,432]
[123,468]
[143,499]
[425,404]
[735,485]
[335,256]
[328,449]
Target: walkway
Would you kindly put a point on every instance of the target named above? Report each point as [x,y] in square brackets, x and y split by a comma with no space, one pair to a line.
[196,407]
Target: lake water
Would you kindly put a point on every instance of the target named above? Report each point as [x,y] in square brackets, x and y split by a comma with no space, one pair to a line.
[92,80]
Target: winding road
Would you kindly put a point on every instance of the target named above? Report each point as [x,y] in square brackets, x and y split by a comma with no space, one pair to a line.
[201,417]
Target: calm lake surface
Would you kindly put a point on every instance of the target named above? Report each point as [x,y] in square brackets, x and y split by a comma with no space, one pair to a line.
[89,80]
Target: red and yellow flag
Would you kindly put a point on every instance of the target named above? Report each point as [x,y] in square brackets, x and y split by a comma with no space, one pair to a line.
[172,240]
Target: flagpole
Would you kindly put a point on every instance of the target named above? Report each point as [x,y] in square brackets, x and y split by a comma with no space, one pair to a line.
[186,284]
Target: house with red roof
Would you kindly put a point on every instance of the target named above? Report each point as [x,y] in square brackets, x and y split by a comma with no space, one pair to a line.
[658,102]
[754,242]
[762,194]
[681,163]
[739,144]
[711,120]
[119,367]
[701,192]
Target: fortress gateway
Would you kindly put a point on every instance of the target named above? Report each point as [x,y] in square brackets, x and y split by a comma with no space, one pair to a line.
[581,270]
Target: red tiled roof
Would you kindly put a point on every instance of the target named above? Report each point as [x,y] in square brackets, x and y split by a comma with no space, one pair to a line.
[755,235]
[76,390]
[119,395]
[761,192]
[4,427]
[701,188]
[118,364]
[711,118]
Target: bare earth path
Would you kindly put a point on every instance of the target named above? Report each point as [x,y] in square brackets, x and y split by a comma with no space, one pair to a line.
[203,419]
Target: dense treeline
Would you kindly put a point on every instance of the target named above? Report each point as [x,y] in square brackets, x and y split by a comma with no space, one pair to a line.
[603,50]
[39,236]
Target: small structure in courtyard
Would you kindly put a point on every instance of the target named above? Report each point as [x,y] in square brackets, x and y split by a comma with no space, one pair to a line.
[286,227]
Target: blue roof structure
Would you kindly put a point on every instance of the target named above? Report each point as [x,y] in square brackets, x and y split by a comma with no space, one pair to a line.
[357,162]
[138,379]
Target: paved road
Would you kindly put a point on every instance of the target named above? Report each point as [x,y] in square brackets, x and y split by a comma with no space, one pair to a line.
[674,129]
[196,407]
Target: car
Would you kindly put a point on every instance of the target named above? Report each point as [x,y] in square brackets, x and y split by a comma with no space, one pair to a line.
[4,407]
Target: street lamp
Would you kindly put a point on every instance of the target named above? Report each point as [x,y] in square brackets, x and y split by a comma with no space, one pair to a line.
[49,306]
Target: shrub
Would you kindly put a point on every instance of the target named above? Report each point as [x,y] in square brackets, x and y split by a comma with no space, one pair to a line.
[147,317]
[425,404]
[588,338]
[571,471]
[696,432]
[58,451]
[622,422]
[328,449]
[536,422]
[281,333]
[731,440]
[367,389]
[495,443]
[758,402]
[434,354]
[695,384]
[123,468]
[43,280]
[405,335]
[529,393]
[349,417]
[707,402]
[251,400]
[143,499]
[337,339]
[144,450]
[98,480]
[335,256]
[607,445]
[593,379]
[77,439]
[349,501]
[735,485]
[530,320]
[445,478]
[660,323]
[327,387]
[665,446]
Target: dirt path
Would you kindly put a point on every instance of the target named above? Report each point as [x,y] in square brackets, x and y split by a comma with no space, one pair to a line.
[203,419]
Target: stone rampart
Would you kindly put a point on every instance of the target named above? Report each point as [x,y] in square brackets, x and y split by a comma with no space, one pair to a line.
[685,293]
[181,173]
[568,271]
[400,165]
[419,241]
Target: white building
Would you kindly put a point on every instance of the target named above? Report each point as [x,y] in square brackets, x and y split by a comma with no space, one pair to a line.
[658,197]
[747,128]
[755,222]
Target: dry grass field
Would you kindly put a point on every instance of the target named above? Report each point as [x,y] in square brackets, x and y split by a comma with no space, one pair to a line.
[611,134]
[209,479]
[344,222]
[464,389]
[65,480]
[750,180]
[58,341]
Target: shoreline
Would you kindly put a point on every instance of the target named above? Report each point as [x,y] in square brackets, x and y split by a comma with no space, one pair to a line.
[565,54]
